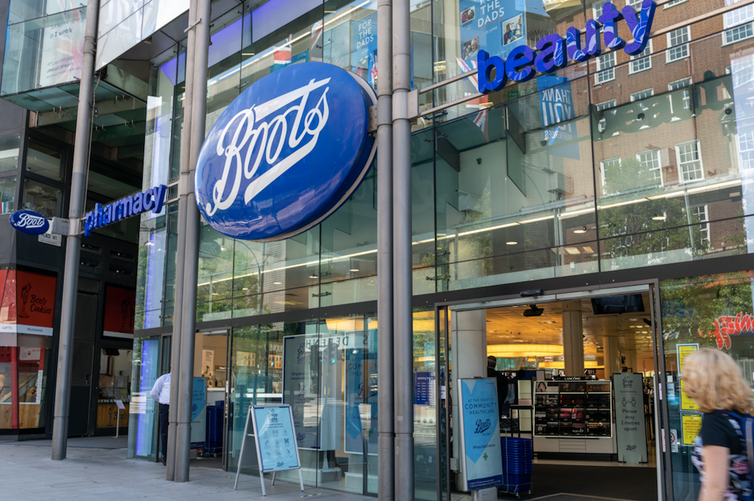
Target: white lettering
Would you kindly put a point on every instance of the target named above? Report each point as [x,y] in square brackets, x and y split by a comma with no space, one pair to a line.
[266,140]
[28,221]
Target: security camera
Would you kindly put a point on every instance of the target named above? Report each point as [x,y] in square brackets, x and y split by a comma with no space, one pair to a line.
[479,161]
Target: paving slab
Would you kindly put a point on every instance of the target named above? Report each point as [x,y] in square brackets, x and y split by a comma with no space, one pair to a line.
[96,468]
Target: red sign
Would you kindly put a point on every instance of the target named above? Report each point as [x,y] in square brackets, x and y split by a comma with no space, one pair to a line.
[119,312]
[35,303]
[728,326]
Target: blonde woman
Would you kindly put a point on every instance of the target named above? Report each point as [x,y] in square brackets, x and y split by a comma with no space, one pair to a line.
[714,381]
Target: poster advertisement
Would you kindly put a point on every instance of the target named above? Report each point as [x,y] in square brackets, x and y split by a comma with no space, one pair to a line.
[312,378]
[493,25]
[361,402]
[364,55]
[684,350]
[424,388]
[629,418]
[120,311]
[28,304]
[62,50]
[198,416]
[556,103]
[692,425]
[274,433]
[480,434]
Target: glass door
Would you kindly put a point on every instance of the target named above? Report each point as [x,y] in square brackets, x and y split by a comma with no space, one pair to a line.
[665,434]
[147,366]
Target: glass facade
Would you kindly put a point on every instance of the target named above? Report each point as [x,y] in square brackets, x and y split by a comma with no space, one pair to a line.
[612,164]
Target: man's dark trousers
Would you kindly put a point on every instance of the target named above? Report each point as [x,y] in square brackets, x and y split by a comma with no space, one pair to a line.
[164,410]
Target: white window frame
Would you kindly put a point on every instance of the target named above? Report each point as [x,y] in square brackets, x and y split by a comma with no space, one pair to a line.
[738,16]
[745,145]
[634,3]
[608,73]
[728,34]
[641,59]
[686,90]
[655,170]
[606,105]
[638,96]
[607,163]
[703,222]
[681,172]
[597,12]
[669,58]
[673,3]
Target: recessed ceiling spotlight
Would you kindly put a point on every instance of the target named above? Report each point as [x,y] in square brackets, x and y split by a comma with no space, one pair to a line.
[511,243]
[354,270]
[277,283]
[580,230]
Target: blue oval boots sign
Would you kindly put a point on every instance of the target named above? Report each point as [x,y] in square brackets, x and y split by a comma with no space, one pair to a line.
[286,153]
[29,222]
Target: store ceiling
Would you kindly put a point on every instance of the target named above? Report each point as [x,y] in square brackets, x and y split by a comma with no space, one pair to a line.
[509,326]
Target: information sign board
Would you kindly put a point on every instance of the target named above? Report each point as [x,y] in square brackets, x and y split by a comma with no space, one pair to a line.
[629,418]
[683,351]
[274,434]
[480,434]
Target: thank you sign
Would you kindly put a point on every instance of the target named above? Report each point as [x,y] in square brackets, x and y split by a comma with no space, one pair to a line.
[629,418]
[286,153]
[480,434]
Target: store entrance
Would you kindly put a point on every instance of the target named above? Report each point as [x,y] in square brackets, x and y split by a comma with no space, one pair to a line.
[577,379]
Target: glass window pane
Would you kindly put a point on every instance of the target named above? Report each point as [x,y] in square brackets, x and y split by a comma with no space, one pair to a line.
[7,194]
[142,419]
[9,147]
[43,160]
[42,198]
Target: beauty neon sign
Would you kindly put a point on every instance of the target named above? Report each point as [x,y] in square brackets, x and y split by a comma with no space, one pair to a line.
[553,52]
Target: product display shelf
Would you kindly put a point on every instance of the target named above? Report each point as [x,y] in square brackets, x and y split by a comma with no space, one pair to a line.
[566,411]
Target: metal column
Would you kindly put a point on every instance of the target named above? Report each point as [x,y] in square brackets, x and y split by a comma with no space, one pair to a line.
[402,270]
[73,244]
[183,202]
[188,323]
[386,445]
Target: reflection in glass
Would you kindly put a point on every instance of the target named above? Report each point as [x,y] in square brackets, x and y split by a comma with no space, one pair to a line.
[7,194]
[42,198]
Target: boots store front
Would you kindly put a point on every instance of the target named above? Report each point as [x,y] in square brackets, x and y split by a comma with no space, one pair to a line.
[569,228]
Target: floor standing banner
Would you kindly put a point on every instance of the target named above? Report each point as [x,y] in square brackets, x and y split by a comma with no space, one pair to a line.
[480,434]
[629,417]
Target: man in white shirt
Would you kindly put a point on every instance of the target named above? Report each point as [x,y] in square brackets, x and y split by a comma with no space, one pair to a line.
[161,393]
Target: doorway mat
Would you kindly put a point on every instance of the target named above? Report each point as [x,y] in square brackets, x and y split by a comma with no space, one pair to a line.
[627,484]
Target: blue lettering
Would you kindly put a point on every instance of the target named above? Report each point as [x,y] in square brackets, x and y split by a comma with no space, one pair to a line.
[573,41]
[127,205]
[518,66]
[641,27]
[89,223]
[147,200]
[159,198]
[609,19]
[138,209]
[485,65]
[552,54]
[593,38]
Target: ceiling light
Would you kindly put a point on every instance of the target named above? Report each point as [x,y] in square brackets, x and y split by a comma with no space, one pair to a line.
[245,288]
[313,276]
[524,350]
[354,270]
[572,250]
[581,230]
[277,283]
[588,249]
[222,248]
[511,243]
[659,217]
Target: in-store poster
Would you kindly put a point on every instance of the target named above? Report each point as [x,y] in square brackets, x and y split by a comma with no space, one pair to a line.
[361,403]
[480,438]
[198,415]
[364,55]
[300,389]
[684,350]
[692,425]
[629,417]
[556,103]
[62,49]
[120,308]
[495,26]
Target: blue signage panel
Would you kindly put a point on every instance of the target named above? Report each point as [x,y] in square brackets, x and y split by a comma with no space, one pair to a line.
[29,222]
[151,199]
[480,434]
[556,102]
[519,63]
[286,153]
[276,443]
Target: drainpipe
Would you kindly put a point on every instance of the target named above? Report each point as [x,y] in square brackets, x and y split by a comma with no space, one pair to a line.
[183,201]
[402,271]
[386,444]
[73,243]
[190,271]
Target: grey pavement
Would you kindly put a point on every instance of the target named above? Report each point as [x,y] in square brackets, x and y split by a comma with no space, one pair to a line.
[96,468]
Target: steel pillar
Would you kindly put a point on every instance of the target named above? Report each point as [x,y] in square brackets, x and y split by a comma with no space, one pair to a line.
[73,244]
